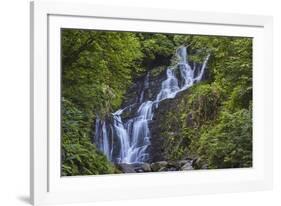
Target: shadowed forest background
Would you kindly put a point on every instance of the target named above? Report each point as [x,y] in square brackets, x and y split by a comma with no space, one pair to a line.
[210,123]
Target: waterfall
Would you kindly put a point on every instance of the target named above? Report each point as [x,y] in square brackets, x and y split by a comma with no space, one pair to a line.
[102,138]
[132,137]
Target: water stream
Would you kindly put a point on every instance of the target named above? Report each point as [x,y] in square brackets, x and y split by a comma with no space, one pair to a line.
[132,137]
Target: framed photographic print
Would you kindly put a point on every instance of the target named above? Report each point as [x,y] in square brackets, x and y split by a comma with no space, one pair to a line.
[126,105]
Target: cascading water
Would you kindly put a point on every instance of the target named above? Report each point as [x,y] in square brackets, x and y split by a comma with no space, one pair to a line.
[132,137]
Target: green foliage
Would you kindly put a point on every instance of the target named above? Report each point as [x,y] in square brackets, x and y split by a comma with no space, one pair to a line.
[98,67]
[79,156]
[205,101]
[181,126]
[228,144]
[157,49]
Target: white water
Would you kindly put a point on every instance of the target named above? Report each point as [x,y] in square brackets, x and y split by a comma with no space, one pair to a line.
[134,135]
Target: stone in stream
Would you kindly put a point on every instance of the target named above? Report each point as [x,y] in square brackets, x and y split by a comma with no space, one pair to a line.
[172,169]
[146,167]
[199,164]
[163,169]
[142,167]
[126,168]
[183,162]
[156,166]
[161,166]
[172,165]
[187,166]
[134,168]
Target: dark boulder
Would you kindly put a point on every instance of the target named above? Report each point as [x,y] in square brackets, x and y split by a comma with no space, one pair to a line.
[134,168]
[187,166]
[156,166]
[126,168]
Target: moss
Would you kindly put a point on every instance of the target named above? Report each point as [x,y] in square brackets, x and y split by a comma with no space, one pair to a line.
[157,71]
[199,124]
[181,119]
[205,102]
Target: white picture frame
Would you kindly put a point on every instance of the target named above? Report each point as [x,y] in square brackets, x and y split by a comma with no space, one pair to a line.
[47,186]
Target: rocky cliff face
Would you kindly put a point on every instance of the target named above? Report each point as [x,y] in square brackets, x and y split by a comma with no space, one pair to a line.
[143,89]
[166,129]
[148,84]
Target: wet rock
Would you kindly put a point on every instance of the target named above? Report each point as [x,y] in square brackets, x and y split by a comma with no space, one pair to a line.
[126,168]
[160,143]
[142,167]
[139,170]
[199,164]
[129,112]
[163,169]
[183,162]
[158,165]
[134,168]
[179,165]
[187,166]
[161,166]
[173,164]
[172,169]
[146,167]
[204,166]
[146,87]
